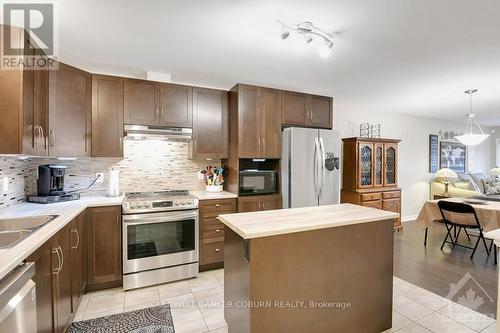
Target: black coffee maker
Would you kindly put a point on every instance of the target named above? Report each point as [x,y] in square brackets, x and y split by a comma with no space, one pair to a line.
[51,180]
[50,185]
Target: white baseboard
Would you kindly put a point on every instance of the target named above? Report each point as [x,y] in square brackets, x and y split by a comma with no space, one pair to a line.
[409,218]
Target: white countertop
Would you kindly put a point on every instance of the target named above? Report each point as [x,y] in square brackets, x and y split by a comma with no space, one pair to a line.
[204,195]
[284,221]
[67,211]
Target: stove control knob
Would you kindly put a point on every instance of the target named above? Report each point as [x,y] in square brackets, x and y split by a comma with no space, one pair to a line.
[176,203]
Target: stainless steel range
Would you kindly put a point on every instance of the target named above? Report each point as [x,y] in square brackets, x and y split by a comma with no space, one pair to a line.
[160,238]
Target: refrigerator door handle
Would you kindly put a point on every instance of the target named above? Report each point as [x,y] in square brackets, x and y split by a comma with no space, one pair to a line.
[322,164]
[315,167]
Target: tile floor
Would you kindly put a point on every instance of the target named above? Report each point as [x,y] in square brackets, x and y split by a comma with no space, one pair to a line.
[196,306]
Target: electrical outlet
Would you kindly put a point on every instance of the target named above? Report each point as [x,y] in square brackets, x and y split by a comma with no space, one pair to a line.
[101,177]
[5,184]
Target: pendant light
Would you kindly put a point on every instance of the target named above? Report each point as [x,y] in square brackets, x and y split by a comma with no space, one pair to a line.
[469,138]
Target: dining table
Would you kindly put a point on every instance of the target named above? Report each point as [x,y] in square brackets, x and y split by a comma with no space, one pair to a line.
[488,214]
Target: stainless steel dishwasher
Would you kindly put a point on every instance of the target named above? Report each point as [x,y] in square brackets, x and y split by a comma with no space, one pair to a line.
[18,300]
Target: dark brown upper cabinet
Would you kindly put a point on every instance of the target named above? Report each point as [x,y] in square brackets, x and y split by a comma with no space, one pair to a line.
[23,103]
[270,123]
[44,112]
[294,109]
[248,121]
[210,127]
[321,112]
[141,103]
[257,118]
[175,105]
[107,116]
[70,111]
[306,110]
[158,104]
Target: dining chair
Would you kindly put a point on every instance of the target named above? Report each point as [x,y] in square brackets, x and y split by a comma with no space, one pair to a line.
[464,209]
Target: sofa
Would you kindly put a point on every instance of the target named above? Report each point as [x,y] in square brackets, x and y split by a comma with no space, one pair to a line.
[468,185]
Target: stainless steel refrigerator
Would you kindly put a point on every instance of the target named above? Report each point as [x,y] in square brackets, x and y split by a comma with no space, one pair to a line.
[310,164]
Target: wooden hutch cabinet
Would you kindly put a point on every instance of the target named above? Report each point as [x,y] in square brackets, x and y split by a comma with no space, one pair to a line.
[370,171]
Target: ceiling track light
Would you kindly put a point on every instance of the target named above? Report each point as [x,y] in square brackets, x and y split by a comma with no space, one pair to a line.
[309,31]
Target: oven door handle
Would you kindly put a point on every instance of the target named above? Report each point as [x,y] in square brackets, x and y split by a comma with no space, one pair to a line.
[144,219]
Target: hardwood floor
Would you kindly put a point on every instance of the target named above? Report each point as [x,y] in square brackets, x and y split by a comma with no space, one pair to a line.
[435,270]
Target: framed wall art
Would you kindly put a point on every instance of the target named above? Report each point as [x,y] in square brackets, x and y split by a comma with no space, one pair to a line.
[453,155]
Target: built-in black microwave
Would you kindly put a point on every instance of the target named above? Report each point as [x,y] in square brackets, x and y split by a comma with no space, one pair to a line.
[258,182]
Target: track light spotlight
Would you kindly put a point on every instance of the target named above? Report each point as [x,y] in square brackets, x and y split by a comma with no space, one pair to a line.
[309,31]
[325,50]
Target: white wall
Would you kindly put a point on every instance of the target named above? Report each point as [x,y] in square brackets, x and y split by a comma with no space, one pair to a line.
[413,131]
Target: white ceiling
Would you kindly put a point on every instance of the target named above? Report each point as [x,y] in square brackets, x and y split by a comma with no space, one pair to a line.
[410,56]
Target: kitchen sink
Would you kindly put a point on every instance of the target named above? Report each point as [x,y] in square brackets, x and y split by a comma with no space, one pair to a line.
[10,238]
[14,230]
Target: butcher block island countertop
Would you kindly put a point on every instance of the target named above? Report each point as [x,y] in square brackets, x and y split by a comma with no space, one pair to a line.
[284,221]
[315,269]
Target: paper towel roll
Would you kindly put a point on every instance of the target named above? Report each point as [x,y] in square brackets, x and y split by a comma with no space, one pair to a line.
[114,183]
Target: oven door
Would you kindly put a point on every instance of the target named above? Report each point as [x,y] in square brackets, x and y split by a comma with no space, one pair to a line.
[159,240]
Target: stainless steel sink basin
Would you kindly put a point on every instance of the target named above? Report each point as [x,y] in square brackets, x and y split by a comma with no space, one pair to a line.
[14,230]
[10,238]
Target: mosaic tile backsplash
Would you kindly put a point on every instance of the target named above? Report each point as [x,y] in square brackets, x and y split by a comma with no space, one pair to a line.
[149,165]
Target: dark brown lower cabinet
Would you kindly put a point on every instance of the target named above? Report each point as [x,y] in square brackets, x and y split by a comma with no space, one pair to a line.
[104,252]
[212,232]
[42,258]
[61,280]
[61,266]
[78,262]
[255,203]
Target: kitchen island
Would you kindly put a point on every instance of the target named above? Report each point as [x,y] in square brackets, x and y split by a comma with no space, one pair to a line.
[314,269]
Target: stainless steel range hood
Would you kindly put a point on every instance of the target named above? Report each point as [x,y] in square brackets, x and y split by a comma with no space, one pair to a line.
[144,132]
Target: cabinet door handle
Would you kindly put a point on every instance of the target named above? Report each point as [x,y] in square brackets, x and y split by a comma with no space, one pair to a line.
[36,135]
[217,230]
[157,112]
[263,144]
[77,239]
[52,139]
[217,205]
[217,250]
[42,136]
[120,142]
[259,144]
[62,258]
[56,271]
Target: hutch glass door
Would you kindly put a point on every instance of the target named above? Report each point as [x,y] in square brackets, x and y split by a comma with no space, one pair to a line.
[365,164]
[378,173]
[390,178]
